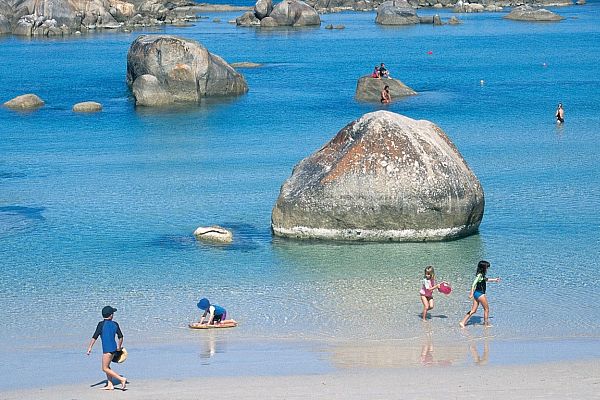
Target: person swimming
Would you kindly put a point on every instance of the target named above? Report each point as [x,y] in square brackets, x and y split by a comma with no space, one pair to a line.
[386,97]
[560,114]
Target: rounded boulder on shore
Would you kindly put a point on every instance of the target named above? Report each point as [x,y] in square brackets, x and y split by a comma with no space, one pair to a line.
[383,177]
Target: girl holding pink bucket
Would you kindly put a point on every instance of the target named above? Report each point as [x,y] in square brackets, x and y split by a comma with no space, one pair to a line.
[427,288]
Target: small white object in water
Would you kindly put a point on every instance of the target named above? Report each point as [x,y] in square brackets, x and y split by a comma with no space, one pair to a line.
[213,234]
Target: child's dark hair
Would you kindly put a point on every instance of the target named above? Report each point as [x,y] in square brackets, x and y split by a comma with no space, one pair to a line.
[482,267]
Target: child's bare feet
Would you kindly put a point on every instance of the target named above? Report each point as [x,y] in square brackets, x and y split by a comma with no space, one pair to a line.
[109,386]
[123,383]
[461,324]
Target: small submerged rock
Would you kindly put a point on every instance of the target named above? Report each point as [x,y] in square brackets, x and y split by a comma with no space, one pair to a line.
[87,106]
[25,102]
[213,233]
[246,64]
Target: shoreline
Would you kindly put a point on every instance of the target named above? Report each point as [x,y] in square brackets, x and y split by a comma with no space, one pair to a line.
[551,380]
[219,357]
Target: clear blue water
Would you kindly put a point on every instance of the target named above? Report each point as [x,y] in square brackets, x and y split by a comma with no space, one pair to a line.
[100,209]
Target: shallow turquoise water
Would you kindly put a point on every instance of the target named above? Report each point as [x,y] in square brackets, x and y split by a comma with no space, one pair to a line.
[99,209]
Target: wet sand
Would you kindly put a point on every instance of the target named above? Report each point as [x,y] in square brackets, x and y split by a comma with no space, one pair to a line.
[548,381]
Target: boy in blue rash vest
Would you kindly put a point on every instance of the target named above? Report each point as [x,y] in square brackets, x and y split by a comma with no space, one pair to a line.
[216,314]
[107,329]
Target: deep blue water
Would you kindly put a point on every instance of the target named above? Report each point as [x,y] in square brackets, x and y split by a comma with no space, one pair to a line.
[100,209]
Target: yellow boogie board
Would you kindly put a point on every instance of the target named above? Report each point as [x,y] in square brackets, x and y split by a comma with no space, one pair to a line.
[228,323]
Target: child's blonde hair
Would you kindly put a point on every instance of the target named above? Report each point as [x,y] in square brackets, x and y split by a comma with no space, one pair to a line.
[429,270]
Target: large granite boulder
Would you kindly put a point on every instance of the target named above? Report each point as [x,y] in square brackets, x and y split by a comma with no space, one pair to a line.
[263,8]
[383,177]
[369,89]
[25,102]
[396,13]
[185,71]
[5,26]
[527,13]
[295,13]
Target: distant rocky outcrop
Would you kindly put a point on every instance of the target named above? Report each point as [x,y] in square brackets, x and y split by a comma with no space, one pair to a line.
[527,13]
[25,102]
[398,12]
[466,7]
[64,17]
[163,69]
[87,107]
[369,89]
[323,6]
[285,13]
[384,177]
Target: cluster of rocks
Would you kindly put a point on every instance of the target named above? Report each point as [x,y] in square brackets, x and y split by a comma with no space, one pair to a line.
[527,13]
[32,101]
[466,7]
[286,13]
[384,177]
[401,12]
[489,5]
[64,17]
[164,69]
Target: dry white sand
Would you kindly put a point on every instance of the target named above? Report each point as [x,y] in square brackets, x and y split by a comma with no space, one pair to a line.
[564,380]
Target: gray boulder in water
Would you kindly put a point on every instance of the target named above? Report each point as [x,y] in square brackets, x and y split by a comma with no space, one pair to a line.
[369,89]
[396,13]
[184,70]
[87,107]
[295,13]
[25,102]
[528,13]
[383,177]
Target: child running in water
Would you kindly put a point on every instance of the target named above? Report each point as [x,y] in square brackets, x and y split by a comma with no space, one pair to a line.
[478,294]
[427,289]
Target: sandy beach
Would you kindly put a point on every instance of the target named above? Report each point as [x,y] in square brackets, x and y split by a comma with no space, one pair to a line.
[540,381]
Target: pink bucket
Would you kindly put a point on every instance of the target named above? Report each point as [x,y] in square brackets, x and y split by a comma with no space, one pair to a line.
[445,288]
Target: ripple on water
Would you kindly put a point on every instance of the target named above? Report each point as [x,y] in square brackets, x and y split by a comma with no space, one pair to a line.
[17,219]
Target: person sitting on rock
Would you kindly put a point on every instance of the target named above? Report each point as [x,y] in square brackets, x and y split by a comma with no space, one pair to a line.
[383,72]
[386,97]
[375,73]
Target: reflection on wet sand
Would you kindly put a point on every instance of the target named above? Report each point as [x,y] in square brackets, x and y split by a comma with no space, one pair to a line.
[483,357]
[211,346]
